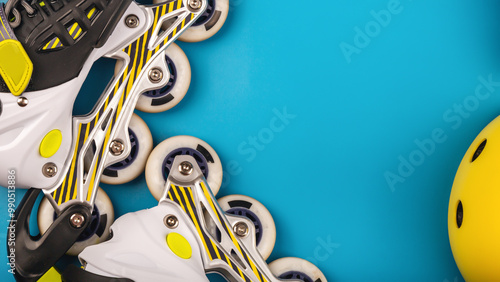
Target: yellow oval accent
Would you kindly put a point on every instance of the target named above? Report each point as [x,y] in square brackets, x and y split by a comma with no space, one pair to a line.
[179,245]
[51,143]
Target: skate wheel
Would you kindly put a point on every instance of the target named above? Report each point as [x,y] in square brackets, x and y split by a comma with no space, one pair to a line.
[208,24]
[296,269]
[161,159]
[164,99]
[96,232]
[256,212]
[141,142]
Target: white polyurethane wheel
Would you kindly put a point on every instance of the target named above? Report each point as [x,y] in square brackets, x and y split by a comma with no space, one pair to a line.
[133,166]
[212,22]
[155,169]
[240,205]
[101,226]
[169,96]
[297,269]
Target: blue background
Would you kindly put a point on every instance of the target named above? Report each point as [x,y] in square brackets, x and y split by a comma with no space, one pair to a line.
[323,177]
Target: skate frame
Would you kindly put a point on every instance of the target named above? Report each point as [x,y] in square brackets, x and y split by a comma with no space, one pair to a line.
[109,120]
[235,257]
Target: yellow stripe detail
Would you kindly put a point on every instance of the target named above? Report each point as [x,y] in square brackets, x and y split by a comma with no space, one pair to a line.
[150,53]
[179,5]
[60,198]
[189,205]
[78,33]
[84,140]
[46,46]
[96,119]
[157,11]
[92,180]
[55,43]
[1,33]
[241,252]
[120,103]
[67,194]
[72,169]
[5,28]
[63,184]
[91,13]
[143,50]
[194,221]
[117,85]
[209,197]
[163,10]
[205,191]
[106,104]
[254,268]
[170,7]
[72,29]
[133,75]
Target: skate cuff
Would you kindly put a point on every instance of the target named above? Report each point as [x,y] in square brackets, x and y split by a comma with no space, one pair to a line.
[15,65]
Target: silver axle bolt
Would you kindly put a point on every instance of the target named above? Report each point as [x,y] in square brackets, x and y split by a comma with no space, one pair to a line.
[171,221]
[49,170]
[155,75]
[241,229]
[77,220]
[132,21]
[195,4]
[186,168]
[117,148]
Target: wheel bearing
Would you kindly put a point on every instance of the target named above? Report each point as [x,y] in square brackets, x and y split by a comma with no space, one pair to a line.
[241,229]
[195,4]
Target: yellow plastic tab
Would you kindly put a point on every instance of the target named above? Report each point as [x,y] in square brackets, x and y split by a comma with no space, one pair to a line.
[15,66]
[51,143]
[51,276]
[179,245]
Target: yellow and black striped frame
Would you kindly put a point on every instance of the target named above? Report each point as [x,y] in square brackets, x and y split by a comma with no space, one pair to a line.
[75,186]
[228,255]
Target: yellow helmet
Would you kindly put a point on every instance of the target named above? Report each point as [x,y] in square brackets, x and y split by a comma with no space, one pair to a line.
[474,209]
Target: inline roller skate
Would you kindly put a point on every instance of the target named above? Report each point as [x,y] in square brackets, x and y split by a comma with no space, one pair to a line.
[48,49]
[190,233]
